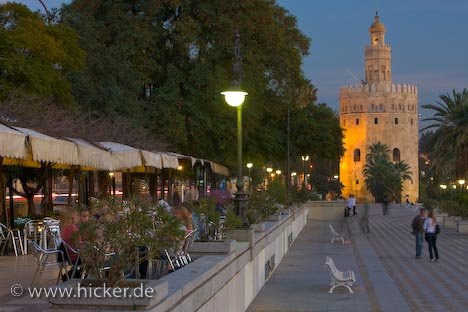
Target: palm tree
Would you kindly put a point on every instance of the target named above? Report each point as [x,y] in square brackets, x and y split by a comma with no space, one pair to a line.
[383,178]
[403,171]
[450,140]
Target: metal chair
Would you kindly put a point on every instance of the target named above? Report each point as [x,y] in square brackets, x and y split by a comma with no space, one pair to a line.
[33,230]
[8,235]
[52,232]
[45,258]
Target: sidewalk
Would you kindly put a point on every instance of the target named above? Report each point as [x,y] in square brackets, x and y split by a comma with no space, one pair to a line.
[389,278]
[301,281]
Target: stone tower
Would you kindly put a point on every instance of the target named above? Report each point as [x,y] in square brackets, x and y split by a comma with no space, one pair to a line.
[378,110]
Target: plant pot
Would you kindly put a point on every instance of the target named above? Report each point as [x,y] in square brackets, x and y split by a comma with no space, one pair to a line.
[273,217]
[258,227]
[214,247]
[241,235]
[142,296]
[462,226]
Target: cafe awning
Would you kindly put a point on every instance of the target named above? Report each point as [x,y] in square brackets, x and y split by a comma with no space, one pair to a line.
[219,169]
[92,156]
[169,161]
[152,159]
[13,143]
[49,149]
[122,156]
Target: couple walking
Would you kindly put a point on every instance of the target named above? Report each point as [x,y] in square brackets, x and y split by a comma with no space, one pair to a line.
[425,227]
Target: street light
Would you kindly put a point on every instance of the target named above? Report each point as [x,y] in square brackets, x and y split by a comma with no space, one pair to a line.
[335,177]
[234,97]
[304,159]
[443,186]
[249,166]
[461,182]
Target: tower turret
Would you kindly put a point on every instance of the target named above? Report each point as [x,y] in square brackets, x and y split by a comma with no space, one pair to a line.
[378,55]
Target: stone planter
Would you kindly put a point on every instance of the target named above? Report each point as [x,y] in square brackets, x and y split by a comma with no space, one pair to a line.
[462,226]
[147,294]
[258,227]
[241,235]
[451,222]
[214,247]
[273,217]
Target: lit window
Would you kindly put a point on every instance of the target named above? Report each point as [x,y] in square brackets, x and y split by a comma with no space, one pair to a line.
[357,154]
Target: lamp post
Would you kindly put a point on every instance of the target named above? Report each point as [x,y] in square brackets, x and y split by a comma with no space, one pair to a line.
[278,174]
[249,166]
[304,159]
[462,183]
[234,96]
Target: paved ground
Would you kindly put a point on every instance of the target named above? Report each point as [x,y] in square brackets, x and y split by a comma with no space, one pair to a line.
[389,278]
[20,270]
[426,286]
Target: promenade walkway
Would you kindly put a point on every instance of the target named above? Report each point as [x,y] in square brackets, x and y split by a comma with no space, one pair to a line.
[389,278]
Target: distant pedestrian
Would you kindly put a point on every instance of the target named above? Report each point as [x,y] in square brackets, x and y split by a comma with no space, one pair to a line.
[365,219]
[418,231]
[354,206]
[349,205]
[430,227]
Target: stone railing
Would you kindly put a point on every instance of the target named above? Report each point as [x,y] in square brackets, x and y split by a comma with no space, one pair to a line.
[227,280]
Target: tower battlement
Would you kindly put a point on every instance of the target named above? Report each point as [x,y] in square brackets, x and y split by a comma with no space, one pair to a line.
[370,88]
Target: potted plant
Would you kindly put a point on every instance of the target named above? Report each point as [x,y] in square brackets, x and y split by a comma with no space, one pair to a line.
[110,246]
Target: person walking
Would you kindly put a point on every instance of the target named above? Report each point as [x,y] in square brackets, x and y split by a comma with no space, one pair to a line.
[418,231]
[365,219]
[430,227]
[354,206]
[349,205]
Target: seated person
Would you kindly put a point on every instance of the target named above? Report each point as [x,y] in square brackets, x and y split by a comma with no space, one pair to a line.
[69,237]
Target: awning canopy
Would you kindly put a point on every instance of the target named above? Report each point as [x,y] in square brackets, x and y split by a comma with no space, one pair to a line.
[50,149]
[219,169]
[92,156]
[152,159]
[169,161]
[122,156]
[13,143]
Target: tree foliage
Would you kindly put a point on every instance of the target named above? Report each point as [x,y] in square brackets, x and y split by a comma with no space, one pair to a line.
[448,146]
[384,179]
[35,56]
[165,63]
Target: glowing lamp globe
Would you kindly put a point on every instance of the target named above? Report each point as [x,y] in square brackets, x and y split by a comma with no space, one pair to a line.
[234,98]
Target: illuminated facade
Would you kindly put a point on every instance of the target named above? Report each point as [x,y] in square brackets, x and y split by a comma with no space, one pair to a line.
[378,110]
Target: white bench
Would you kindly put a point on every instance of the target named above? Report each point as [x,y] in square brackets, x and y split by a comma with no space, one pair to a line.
[336,235]
[339,278]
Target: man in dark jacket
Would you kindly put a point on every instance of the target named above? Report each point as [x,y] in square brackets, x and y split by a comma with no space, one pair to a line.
[418,231]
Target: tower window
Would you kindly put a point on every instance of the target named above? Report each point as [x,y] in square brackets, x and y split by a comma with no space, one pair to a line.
[393,106]
[361,107]
[357,181]
[357,154]
[411,121]
[373,106]
[376,121]
[396,154]
[396,121]
[381,107]
[357,121]
[399,107]
[344,122]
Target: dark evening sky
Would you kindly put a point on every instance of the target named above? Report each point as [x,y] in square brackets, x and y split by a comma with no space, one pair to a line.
[428,40]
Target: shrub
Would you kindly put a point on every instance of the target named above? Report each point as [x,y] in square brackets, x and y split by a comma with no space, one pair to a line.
[123,228]
[209,217]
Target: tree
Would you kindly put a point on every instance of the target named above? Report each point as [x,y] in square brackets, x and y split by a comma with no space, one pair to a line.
[164,64]
[35,56]
[449,144]
[384,179]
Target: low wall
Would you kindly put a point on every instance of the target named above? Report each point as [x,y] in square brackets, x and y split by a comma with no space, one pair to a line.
[217,282]
[326,210]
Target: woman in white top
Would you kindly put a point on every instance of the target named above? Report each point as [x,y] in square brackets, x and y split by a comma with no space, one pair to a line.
[431,235]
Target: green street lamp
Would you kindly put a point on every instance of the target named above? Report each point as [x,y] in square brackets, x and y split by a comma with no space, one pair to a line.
[249,166]
[304,159]
[235,97]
